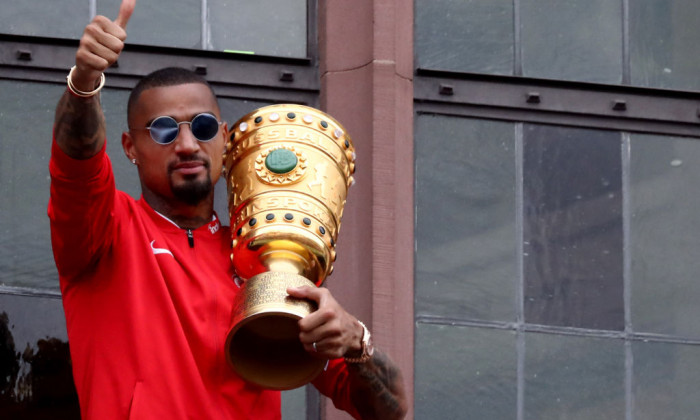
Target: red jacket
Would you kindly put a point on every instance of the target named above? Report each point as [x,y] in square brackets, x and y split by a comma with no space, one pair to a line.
[147,313]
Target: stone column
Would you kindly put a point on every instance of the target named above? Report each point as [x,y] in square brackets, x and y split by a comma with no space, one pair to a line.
[366,63]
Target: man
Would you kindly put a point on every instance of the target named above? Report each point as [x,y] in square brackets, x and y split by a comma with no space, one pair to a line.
[146,284]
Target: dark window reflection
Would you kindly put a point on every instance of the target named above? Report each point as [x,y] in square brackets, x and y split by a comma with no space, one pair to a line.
[573,227]
[36,379]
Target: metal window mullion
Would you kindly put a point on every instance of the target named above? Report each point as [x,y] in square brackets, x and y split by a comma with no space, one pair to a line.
[206,27]
[520,275]
[626,65]
[517,40]
[312,31]
[627,274]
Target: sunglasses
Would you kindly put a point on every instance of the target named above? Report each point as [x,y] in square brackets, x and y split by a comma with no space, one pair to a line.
[164,130]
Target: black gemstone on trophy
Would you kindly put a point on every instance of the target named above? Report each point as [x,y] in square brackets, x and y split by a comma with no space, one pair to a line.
[239,232]
[322,230]
[332,242]
[291,115]
[289,216]
[253,221]
[258,120]
[347,143]
[233,134]
[307,221]
[324,124]
[270,216]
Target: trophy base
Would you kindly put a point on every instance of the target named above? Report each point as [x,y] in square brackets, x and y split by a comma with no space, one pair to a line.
[263,345]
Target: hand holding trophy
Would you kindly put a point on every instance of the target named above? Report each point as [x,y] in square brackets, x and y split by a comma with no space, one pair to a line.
[288,170]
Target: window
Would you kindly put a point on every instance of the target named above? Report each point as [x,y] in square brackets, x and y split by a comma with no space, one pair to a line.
[253,54]
[555,147]
[267,27]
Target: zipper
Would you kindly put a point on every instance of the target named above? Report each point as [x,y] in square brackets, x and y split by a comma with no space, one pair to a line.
[190,238]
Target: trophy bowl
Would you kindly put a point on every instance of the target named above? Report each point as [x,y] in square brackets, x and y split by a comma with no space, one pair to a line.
[288,169]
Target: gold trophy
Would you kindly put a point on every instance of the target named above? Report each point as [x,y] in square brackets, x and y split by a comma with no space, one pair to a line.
[288,170]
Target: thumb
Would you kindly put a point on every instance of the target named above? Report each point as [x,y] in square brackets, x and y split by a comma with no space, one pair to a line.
[125,11]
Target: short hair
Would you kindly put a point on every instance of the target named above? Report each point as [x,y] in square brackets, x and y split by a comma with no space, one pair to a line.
[169,76]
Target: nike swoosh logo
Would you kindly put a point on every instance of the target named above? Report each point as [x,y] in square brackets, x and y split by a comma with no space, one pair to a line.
[157,251]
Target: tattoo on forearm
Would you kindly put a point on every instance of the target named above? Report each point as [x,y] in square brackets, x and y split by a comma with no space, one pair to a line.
[380,383]
[79,125]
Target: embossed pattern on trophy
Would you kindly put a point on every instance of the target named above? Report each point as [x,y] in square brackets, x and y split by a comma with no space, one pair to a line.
[288,170]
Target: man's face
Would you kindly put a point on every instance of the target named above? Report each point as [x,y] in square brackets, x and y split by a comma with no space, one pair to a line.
[184,169]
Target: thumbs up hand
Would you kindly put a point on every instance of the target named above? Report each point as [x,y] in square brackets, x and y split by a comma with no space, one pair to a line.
[100,46]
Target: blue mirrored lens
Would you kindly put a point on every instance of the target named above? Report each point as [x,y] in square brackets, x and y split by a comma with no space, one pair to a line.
[204,127]
[164,130]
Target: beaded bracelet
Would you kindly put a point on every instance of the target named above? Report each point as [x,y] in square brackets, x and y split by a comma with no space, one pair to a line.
[80,93]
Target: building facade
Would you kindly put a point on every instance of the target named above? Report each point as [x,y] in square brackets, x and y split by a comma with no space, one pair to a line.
[523,235]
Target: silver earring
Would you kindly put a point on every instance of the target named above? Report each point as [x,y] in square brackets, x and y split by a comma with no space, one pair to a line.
[133,161]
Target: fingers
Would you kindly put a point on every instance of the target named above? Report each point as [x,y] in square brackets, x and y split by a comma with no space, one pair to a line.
[317,294]
[100,46]
[330,327]
[125,11]
[326,305]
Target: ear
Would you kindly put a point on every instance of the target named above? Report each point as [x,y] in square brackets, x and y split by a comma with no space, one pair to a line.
[224,132]
[128,146]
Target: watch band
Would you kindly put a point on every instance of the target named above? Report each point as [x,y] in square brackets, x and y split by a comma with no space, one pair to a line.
[367,346]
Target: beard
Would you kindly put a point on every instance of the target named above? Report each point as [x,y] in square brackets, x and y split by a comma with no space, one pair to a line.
[193,192]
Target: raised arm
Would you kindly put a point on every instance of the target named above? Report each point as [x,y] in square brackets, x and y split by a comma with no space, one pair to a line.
[376,386]
[79,125]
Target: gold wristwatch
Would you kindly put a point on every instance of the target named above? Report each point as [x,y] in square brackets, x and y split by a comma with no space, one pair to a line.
[367,347]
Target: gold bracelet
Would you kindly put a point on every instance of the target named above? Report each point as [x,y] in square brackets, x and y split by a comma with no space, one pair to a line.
[80,93]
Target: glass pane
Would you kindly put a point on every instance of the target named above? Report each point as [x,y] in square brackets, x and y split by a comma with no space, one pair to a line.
[264,27]
[465,218]
[572,197]
[663,43]
[52,18]
[471,36]
[294,404]
[666,381]
[35,369]
[160,22]
[26,120]
[577,40]
[574,378]
[465,373]
[665,234]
